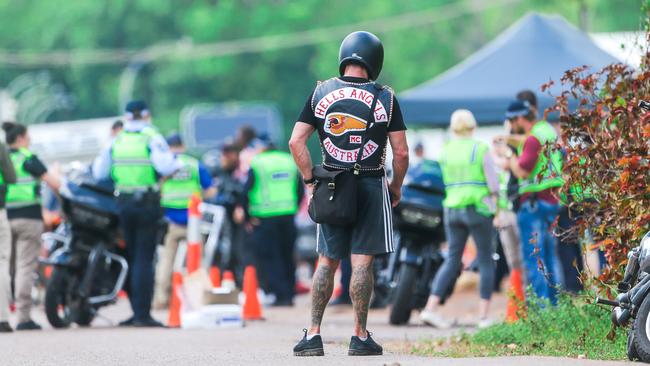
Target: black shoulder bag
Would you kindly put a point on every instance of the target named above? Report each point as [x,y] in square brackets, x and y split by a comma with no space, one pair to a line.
[334,197]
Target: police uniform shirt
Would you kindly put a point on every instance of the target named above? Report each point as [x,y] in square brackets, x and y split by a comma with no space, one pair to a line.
[161,157]
[340,133]
[179,215]
[34,166]
[8,173]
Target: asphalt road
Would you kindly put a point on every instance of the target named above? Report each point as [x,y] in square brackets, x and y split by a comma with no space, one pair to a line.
[267,342]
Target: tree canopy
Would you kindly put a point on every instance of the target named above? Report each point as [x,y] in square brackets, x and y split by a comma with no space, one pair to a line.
[417,49]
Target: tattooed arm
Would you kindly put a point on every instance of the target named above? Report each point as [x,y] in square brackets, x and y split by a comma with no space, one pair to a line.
[298,147]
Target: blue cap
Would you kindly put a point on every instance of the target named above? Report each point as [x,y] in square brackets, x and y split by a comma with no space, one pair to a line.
[174,140]
[136,106]
[518,108]
[263,140]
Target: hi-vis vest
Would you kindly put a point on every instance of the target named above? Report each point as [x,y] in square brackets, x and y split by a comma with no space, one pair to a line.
[462,172]
[547,173]
[25,191]
[132,169]
[342,109]
[177,190]
[275,191]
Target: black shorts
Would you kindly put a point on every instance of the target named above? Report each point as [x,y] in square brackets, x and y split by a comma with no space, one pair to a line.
[371,234]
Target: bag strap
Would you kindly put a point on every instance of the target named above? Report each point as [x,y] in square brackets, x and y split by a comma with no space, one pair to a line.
[371,119]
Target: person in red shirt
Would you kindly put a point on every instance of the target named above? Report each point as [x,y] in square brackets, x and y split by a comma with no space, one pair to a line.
[538,169]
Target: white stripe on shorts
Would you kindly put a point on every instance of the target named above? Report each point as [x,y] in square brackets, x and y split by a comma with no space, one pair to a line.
[383,207]
[317,236]
[390,224]
[388,217]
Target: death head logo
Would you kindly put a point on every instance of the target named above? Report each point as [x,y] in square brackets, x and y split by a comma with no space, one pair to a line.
[337,124]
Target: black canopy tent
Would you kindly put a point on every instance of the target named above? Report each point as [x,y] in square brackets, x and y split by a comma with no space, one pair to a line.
[536,49]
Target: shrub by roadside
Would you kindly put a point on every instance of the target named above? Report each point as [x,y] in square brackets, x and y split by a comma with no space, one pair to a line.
[574,328]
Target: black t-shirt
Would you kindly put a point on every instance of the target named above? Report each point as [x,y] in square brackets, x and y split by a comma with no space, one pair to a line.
[34,166]
[397,123]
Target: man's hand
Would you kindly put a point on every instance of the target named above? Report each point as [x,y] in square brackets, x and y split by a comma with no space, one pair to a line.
[496,222]
[238,215]
[395,194]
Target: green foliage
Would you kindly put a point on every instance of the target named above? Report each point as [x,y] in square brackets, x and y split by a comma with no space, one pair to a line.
[607,164]
[413,54]
[571,329]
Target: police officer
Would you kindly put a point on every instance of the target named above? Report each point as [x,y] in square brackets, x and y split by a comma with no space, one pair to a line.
[538,165]
[273,191]
[136,161]
[192,178]
[25,217]
[7,176]
[471,187]
[338,109]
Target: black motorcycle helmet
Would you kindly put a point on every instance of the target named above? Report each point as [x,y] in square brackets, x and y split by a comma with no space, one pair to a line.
[363,48]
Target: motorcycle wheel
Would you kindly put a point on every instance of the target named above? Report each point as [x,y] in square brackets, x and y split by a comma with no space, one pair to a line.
[61,308]
[400,312]
[641,331]
[632,355]
[84,317]
[57,304]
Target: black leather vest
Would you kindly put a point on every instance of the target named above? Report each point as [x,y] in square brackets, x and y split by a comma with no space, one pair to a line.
[342,109]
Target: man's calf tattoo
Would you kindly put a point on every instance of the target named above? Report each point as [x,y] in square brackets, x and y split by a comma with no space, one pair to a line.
[321,293]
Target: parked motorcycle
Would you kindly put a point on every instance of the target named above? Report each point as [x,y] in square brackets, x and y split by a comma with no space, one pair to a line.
[419,233]
[87,272]
[633,302]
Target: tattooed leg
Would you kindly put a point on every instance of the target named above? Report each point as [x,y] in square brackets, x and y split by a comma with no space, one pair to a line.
[321,291]
[361,285]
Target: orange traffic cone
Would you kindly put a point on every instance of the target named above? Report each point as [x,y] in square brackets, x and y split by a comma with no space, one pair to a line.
[228,280]
[252,308]
[516,296]
[194,235]
[215,276]
[174,320]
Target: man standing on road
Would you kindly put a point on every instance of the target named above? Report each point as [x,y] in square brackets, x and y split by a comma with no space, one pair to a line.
[272,195]
[7,176]
[136,161]
[25,217]
[539,169]
[338,109]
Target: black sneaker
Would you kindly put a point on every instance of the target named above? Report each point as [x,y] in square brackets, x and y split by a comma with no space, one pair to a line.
[127,323]
[309,347]
[5,327]
[148,323]
[364,348]
[28,325]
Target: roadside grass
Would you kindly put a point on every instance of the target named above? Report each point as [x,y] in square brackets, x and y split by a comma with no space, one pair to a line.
[573,328]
